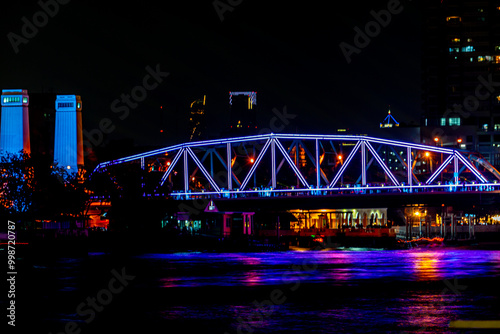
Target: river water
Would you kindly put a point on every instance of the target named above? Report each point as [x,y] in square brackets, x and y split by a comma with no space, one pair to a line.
[341,291]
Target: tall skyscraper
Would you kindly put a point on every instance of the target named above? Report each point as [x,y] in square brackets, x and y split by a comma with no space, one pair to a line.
[461,72]
[14,131]
[197,121]
[68,141]
[243,111]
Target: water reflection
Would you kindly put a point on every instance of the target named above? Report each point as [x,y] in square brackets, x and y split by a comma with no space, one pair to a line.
[427,265]
[334,267]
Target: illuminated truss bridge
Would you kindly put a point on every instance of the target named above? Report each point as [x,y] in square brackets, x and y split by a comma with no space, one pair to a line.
[287,164]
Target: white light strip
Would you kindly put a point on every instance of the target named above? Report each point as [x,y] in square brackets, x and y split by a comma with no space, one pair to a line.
[382,164]
[203,170]
[171,167]
[255,164]
[472,168]
[346,163]
[353,189]
[440,169]
[290,162]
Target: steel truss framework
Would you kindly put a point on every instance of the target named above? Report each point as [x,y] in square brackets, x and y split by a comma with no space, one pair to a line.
[301,155]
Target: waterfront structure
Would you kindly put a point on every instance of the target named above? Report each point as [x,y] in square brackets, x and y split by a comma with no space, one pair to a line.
[14,132]
[68,142]
[460,72]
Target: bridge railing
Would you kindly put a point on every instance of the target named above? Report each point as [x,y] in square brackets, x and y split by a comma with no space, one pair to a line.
[356,190]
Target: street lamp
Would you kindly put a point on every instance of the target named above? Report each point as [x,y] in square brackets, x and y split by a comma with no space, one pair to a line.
[429,160]
[437,139]
[339,157]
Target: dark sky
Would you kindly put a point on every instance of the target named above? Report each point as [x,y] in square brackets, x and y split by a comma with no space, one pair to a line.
[286,51]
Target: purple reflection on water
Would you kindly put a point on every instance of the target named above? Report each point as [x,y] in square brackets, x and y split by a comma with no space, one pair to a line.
[333,267]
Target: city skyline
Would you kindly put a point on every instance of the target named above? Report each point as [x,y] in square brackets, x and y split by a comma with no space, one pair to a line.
[289,61]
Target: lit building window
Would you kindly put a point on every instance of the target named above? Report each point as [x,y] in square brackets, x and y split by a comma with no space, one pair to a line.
[455,40]
[497,127]
[453,19]
[443,121]
[454,50]
[452,121]
[497,59]
[468,48]
[485,127]
[497,47]
[469,40]
[12,99]
[498,98]
[481,58]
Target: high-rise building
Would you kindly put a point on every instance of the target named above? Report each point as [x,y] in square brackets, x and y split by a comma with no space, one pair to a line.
[15,132]
[243,112]
[68,141]
[197,121]
[461,75]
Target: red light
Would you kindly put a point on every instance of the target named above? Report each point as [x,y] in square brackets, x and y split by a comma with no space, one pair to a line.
[161,131]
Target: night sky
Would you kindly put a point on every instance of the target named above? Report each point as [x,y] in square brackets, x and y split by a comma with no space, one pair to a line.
[286,51]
